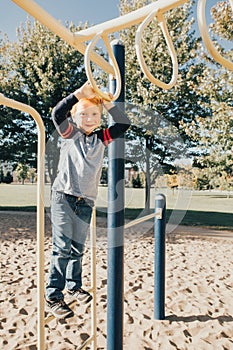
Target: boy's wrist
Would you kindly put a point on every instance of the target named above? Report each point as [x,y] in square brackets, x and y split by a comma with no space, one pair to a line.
[78,94]
[108,105]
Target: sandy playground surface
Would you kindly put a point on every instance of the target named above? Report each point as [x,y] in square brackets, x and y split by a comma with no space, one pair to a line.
[199,290]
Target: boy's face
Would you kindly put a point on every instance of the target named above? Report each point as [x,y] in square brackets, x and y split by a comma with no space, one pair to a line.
[87,116]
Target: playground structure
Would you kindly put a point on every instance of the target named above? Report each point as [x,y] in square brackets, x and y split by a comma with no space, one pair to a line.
[201,17]
[142,17]
[40,208]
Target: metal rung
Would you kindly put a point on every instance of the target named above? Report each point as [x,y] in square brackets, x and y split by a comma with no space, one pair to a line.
[84,344]
[138,221]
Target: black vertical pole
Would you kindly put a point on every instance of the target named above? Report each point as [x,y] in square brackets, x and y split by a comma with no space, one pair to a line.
[115,287]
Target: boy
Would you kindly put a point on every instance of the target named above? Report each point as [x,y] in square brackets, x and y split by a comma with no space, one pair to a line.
[75,189]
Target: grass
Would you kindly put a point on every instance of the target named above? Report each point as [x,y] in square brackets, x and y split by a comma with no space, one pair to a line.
[183,217]
[204,218]
[213,209]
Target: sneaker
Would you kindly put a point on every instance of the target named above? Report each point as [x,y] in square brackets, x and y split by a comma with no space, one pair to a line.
[82,295]
[59,309]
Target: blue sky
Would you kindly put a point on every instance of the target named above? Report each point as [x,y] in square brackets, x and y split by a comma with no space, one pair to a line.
[11,15]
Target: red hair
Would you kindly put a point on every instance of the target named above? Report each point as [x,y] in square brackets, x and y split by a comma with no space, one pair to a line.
[96,100]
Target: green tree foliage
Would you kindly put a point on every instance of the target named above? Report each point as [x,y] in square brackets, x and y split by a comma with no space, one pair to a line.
[160,112]
[22,172]
[222,16]
[214,133]
[38,69]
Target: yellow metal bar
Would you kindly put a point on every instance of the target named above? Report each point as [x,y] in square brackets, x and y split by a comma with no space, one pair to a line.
[102,30]
[128,20]
[93,281]
[56,27]
[206,38]
[87,63]
[40,210]
[171,50]
[77,39]
[139,220]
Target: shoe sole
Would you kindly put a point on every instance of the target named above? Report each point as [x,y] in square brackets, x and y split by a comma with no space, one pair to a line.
[85,301]
[59,317]
[62,317]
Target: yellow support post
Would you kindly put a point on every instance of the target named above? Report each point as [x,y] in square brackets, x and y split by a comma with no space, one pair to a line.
[40,209]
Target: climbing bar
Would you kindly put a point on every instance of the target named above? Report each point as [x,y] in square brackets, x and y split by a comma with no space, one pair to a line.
[40,209]
[171,49]
[201,17]
[78,39]
[126,21]
[87,63]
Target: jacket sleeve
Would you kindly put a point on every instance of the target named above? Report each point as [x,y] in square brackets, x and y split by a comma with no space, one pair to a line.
[122,123]
[60,114]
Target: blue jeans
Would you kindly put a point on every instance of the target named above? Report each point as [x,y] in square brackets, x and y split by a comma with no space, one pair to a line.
[70,223]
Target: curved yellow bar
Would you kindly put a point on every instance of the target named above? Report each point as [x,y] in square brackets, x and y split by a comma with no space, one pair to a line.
[40,210]
[87,63]
[170,46]
[231,3]
[206,38]
[78,39]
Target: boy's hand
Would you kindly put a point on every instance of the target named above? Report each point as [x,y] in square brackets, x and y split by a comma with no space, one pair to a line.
[85,91]
[108,104]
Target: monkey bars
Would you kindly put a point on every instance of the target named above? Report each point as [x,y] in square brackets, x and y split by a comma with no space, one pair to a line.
[142,17]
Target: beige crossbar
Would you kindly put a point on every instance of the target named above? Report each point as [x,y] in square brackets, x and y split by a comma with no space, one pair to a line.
[78,39]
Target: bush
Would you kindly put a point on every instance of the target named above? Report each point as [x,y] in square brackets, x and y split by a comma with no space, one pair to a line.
[137,183]
[8,178]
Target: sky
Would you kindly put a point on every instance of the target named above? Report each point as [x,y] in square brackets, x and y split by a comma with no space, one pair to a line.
[11,15]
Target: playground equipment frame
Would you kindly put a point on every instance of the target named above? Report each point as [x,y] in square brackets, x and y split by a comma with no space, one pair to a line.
[94,33]
[40,209]
[142,16]
[206,38]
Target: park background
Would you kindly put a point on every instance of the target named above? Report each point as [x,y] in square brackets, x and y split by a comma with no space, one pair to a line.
[180,144]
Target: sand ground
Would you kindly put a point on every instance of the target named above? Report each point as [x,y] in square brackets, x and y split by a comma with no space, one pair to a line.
[199,290]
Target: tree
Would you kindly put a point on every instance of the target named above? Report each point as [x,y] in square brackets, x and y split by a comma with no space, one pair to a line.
[32,174]
[214,154]
[22,172]
[162,111]
[1,175]
[39,69]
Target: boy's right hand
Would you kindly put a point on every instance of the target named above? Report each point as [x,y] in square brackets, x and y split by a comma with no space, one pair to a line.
[85,91]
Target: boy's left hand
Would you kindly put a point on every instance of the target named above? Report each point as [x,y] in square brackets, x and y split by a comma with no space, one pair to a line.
[108,104]
[85,91]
